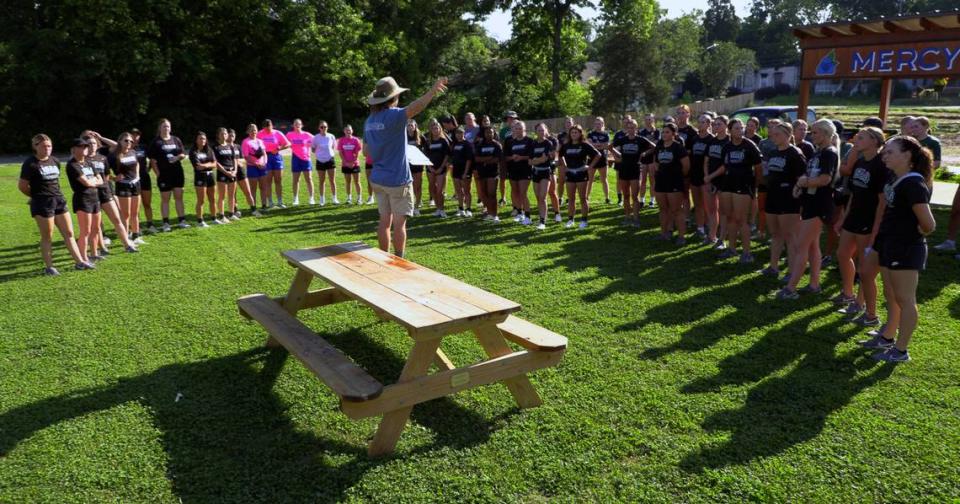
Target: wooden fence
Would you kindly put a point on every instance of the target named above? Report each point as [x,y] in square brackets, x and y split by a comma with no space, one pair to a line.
[723,106]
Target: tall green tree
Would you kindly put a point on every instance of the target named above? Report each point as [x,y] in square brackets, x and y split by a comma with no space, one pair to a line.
[558,16]
[720,22]
[721,64]
[622,47]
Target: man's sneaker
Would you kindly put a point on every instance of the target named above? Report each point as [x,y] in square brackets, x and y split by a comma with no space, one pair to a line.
[892,354]
[583,224]
[558,218]
[946,246]
[853,309]
[166,227]
[526,221]
[877,342]
[541,226]
[786,293]
[746,258]
[183,225]
[866,321]
[726,254]
[296,201]
[51,271]
[809,289]
[769,272]
[842,299]
[570,223]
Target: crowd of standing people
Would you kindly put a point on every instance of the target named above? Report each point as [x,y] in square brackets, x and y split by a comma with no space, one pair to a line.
[718,176]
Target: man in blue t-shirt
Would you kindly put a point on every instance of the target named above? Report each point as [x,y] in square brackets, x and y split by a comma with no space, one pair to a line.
[385,140]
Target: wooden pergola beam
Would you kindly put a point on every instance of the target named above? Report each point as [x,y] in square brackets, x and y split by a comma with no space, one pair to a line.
[928,24]
[828,31]
[893,27]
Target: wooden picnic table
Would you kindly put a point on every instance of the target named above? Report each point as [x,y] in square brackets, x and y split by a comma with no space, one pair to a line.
[430,306]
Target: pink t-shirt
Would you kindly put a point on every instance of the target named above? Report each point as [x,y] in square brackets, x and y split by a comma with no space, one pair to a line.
[274,141]
[349,149]
[300,144]
[249,149]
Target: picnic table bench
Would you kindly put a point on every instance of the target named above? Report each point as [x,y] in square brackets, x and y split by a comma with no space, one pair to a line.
[430,306]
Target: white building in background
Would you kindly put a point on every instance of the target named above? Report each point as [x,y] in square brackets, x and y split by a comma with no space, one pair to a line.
[753,80]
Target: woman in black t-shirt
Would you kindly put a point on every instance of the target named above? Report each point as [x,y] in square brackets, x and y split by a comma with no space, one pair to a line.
[859,224]
[628,150]
[165,154]
[108,201]
[784,167]
[577,157]
[227,156]
[86,203]
[416,139]
[516,154]
[901,243]
[126,166]
[437,149]
[40,181]
[204,168]
[462,160]
[672,165]
[541,166]
[562,138]
[741,163]
[599,138]
[487,159]
[698,155]
[815,191]
[146,182]
[800,128]
[715,220]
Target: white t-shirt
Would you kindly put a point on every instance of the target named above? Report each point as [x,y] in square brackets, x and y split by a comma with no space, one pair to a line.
[325,145]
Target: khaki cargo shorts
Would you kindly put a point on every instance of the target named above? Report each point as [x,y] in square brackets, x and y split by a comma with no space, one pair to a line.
[394,200]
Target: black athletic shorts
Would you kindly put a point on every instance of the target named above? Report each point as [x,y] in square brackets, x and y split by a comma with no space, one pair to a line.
[779,203]
[326,165]
[856,225]
[346,170]
[461,172]
[241,173]
[667,184]
[897,255]
[105,193]
[224,178]
[126,189]
[824,212]
[433,170]
[540,173]
[576,175]
[762,188]
[204,179]
[47,206]
[416,168]
[628,173]
[368,166]
[489,171]
[170,180]
[521,173]
[84,202]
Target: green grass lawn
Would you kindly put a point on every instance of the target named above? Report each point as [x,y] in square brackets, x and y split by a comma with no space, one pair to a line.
[683,382]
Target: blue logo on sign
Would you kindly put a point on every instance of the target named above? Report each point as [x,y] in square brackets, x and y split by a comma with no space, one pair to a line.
[828,65]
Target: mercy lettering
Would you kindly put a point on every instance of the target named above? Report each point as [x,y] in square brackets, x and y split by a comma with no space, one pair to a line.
[929,59]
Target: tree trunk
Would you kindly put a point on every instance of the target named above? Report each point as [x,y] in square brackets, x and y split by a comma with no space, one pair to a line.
[560,11]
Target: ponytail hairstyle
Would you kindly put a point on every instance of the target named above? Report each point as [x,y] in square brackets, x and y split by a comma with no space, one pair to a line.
[672,126]
[222,135]
[38,139]
[118,149]
[160,123]
[876,134]
[787,128]
[829,129]
[921,159]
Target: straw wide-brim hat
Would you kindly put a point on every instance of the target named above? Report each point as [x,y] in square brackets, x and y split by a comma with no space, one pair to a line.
[386,89]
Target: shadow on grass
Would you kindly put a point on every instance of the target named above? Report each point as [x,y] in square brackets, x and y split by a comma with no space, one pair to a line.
[783,411]
[230,439]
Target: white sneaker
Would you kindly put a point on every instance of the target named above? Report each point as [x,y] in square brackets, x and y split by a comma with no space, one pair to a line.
[557,218]
[139,241]
[442,214]
[256,213]
[459,213]
[323,201]
[349,200]
[336,201]
[514,212]
[570,223]
[235,217]
[583,224]
[432,203]
[166,227]
[281,205]
[370,200]
[359,200]
[487,217]
[416,212]
[541,226]
[526,221]
[203,224]
[296,201]
[106,241]
[436,213]
[152,229]
[183,225]
[313,201]
[946,246]
[496,219]
[467,213]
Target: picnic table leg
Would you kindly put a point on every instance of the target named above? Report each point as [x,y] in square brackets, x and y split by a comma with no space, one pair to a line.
[294,298]
[495,345]
[442,361]
[393,422]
